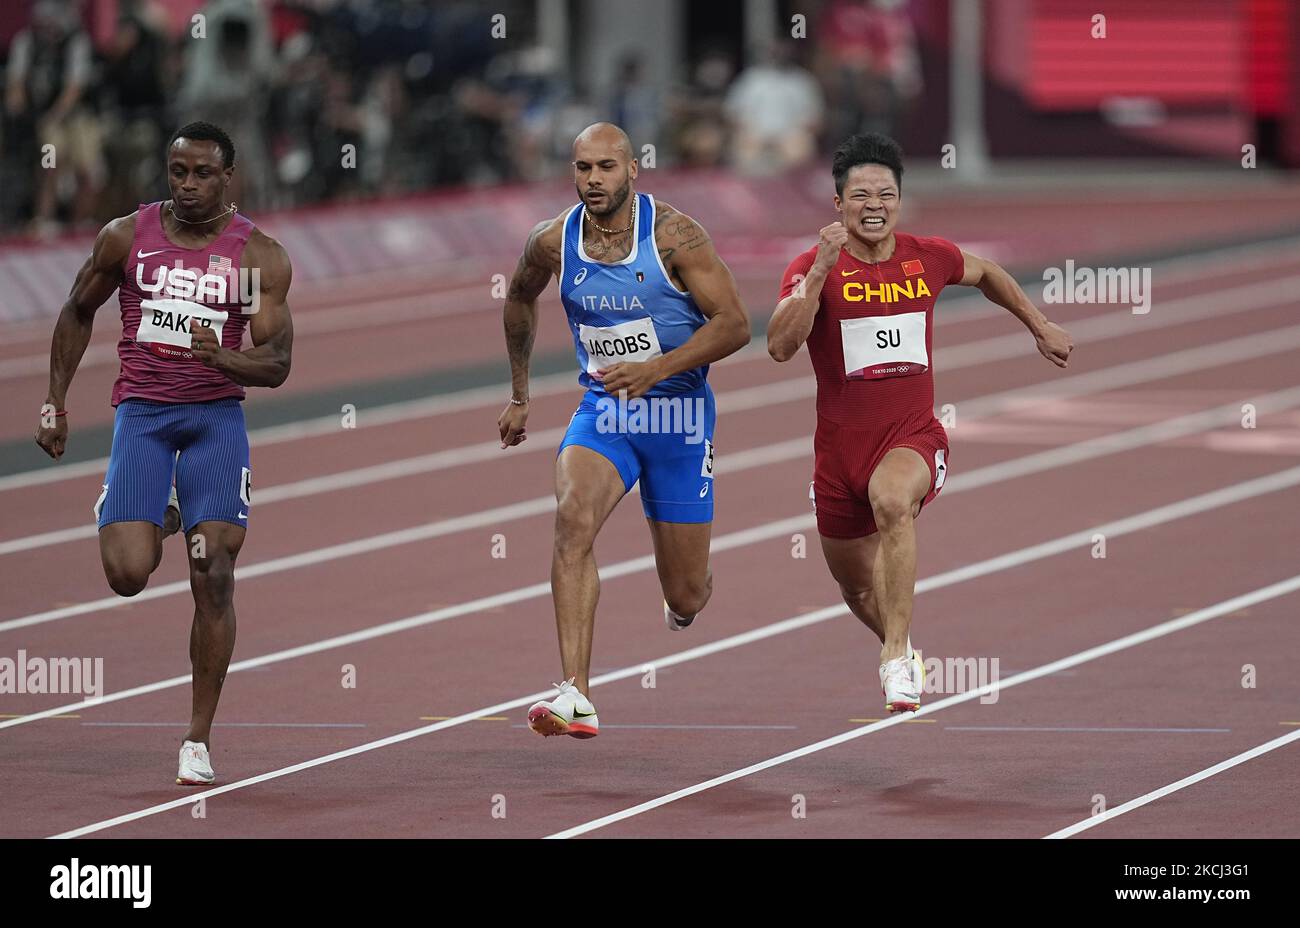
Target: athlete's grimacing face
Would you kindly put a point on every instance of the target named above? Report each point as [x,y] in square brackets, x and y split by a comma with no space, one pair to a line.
[603,174]
[870,203]
[196,178]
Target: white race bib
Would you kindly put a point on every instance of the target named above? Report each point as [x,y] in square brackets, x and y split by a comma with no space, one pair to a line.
[627,341]
[884,346]
[165,325]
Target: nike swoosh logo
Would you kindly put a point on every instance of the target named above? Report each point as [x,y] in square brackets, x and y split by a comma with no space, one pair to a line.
[149,254]
[243,515]
[849,273]
[582,715]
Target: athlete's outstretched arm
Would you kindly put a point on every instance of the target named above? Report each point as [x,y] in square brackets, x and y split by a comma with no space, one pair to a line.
[688,252]
[536,265]
[793,319]
[95,283]
[267,363]
[1054,343]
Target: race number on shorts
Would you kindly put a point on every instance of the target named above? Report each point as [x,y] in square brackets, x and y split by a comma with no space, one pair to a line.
[884,346]
[706,468]
[627,341]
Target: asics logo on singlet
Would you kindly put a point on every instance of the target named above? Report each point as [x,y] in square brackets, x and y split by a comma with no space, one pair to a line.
[184,284]
[580,277]
[857,292]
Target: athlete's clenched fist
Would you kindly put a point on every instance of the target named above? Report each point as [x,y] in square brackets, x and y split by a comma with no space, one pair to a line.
[204,344]
[830,242]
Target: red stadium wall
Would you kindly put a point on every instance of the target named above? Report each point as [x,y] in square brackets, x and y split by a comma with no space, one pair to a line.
[1171,77]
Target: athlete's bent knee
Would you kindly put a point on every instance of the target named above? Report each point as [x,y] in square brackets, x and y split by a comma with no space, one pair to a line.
[126,580]
[213,579]
[687,599]
[864,597]
[575,529]
[891,508]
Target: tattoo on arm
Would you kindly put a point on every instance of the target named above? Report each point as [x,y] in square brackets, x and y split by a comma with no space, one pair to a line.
[519,339]
[678,233]
[528,281]
[532,274]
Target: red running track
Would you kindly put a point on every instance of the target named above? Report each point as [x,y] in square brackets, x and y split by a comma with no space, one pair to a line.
[1028,764]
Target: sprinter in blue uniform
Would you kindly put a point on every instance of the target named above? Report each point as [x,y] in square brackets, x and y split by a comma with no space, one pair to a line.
[651,306]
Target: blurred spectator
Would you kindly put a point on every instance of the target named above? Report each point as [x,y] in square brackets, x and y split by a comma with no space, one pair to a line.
[133,106]
[698,116]
[228,81]
[50,68]
[530,81]
[775,109]
[467,135]
[634,104]
[382,116]
[869,65]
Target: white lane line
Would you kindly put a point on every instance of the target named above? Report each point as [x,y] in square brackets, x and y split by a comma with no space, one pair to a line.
[226,724]
[1185,361]
[1175,787]
[357,305]
[1263,594]
[498,515]
[956,358]
[355,291]
[1039,462]
[387,414]
[1080,728]
[1102,325]
[367,417]
[349,315]
[1135,523]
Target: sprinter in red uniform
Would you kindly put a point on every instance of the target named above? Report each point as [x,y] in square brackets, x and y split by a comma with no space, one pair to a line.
[191,275]
[863,299]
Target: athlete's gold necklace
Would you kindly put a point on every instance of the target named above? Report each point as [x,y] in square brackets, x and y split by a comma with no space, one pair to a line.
[601,228]
[200,222]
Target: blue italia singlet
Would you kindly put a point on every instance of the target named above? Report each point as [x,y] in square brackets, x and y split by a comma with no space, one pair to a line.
[629,311]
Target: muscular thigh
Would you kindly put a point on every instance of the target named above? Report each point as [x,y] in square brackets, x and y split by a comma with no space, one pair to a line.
[851,560]
[681,551]
[130,547]
[901,473]
[588,486]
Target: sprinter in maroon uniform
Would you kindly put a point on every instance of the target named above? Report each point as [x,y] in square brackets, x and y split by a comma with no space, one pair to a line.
[191,275]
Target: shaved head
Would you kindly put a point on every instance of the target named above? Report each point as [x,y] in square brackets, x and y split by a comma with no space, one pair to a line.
[603,168]
[602,137]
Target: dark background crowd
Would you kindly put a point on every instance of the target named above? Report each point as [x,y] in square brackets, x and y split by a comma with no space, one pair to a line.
[330,100]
